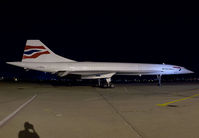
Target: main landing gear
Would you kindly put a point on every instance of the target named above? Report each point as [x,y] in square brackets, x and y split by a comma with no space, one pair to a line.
[105,84]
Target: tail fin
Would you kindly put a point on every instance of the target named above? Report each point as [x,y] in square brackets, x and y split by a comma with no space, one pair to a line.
[36,51]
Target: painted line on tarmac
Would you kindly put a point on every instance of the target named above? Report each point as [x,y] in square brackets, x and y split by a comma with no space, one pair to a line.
[10,116]
[125,90]
[178,100]
[130,125]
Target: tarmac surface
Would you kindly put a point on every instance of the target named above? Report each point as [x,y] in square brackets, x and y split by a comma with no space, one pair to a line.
[127,111]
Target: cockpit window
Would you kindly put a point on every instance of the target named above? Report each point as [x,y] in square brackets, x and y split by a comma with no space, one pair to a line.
[176,67]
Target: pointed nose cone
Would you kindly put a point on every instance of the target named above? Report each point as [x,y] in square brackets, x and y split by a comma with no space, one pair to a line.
[186,71]
[191,71]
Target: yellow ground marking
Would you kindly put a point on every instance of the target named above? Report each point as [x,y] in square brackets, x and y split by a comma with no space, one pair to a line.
[178,100]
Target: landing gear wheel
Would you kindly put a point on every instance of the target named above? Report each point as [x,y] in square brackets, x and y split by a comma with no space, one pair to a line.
[106,84]
[112,86]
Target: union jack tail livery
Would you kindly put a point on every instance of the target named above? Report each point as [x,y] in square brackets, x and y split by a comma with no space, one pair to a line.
[36,51]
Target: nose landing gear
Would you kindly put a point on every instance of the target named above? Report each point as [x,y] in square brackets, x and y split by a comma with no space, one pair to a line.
[159,77]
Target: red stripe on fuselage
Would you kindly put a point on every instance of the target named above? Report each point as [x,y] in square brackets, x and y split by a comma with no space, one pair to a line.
[34,47]
[36,55]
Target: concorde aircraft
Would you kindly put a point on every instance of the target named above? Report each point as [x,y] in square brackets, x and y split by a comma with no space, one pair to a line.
[39,57]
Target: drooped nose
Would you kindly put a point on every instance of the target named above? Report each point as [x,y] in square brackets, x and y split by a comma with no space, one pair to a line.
[181,70]
[186,71]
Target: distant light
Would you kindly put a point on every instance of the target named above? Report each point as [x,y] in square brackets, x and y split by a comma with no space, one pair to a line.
[15,79]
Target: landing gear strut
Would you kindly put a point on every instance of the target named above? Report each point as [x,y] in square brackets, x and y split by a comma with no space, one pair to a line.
[99,84]
[106,84]
[159,77]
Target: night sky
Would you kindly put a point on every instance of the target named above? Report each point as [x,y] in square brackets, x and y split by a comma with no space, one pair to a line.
[104,35]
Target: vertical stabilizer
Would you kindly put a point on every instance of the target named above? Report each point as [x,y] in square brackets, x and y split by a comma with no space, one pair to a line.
[36,51]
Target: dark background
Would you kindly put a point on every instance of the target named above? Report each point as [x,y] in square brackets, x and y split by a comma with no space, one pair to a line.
[100,34]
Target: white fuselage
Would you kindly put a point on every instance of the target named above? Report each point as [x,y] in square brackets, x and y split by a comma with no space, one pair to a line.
[88,68]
